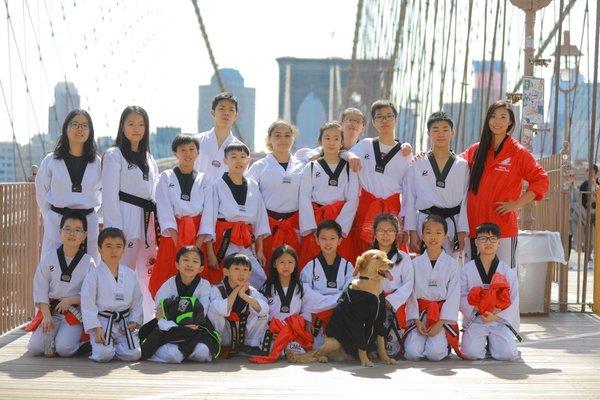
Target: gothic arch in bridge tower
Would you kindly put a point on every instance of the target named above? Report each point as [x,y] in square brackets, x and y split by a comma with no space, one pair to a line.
[311,115]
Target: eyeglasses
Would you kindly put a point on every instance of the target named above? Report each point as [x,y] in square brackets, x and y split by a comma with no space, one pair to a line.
[485,239]
[77,125]
[386,231]
[355,121]
[381,118]
[75,232]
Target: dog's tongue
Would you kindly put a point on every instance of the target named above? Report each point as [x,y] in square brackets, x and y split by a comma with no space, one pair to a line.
[386,274]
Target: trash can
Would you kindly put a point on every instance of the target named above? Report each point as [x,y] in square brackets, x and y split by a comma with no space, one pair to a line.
[535,250]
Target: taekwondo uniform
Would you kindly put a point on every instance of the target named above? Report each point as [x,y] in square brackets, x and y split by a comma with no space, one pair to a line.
[279,185]
[62,186]
[112,304]
[211,155]
[436,296]
[180,202]
[234,215]
[431,191]
[56,278]
[327,192]
[477,287]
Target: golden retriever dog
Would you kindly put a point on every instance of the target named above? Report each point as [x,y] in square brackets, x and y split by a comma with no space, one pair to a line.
[358,316]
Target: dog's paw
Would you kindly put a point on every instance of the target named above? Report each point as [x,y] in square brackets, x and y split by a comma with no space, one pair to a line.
[367,363]
[389,361]
[322,359]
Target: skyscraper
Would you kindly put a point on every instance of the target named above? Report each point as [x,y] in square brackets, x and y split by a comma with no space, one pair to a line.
[234,83]
[66,98]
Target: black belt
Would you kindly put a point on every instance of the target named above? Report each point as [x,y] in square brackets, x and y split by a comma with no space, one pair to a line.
[280,216]
[115,317]
[446,213]
[68,210]
[148,206]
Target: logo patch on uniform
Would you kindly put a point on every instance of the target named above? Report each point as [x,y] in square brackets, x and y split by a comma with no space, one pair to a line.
[366,156]
[216,164]
[171,185]
[131,166]
[130,245]
[424,173]
[270,300]
[183,305]
[318,174]
[51,268]
[315,277]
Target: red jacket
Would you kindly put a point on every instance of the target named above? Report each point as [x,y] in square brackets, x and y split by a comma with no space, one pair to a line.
[502,180]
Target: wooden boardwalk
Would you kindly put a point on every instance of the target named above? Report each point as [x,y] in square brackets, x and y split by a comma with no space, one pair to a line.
[560,360]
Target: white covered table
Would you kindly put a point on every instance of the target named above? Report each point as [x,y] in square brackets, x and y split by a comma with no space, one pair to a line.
[535,250]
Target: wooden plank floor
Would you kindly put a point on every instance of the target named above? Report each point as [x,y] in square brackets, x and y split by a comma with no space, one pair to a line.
[560,359]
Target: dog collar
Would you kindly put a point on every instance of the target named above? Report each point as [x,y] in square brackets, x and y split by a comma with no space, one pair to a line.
[366,278]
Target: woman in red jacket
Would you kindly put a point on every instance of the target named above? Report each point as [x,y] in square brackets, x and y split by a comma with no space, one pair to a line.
[499,164]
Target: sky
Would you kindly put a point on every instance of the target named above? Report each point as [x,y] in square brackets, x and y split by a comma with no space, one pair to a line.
[151,53]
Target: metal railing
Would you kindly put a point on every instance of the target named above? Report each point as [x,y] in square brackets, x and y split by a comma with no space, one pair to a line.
[20,244]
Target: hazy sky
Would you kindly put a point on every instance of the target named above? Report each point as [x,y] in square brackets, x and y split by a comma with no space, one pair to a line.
[151,53]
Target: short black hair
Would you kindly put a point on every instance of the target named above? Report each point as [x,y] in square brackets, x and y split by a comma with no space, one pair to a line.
[224,96]
[183,139]
[237,258]
[488,227]
[236,146]
[77,216]
[381,104]
[111,233]
[435,218]
[439,116]
[189,249]
[329,224]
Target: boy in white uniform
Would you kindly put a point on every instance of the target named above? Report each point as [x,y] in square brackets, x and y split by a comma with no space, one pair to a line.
[111,303]
[432,308]
[237,310]
[224,111]
[489,301]
[382,167]
[234,218]
[437,184]
[56,287]
[180,197]
[187,283]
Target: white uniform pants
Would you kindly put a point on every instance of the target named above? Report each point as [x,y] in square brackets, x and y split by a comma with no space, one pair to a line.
[169,353]
[433,348]
[116,348]
[67,338]
[501,340]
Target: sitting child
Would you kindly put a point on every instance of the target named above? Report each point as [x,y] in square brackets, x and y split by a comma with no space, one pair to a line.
[489,301]
[57,283]
[181,330]
[433,305]
[111,302]
[237,310]
[291,306]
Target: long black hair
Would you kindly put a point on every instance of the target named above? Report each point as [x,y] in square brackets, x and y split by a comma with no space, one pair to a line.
[61,150]
[273,275]
[139,157]
[485,141]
